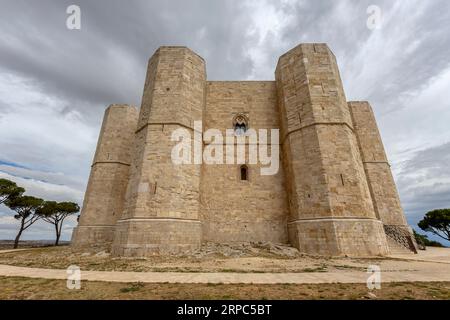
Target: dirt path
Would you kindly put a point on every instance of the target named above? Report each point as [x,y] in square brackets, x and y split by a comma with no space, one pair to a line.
[429,266]
[228,278]
[15,250]
[432,254]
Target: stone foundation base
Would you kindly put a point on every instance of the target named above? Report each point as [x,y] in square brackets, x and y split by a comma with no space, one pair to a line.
[402,235]
[146,237]
[338,237]
[83,236]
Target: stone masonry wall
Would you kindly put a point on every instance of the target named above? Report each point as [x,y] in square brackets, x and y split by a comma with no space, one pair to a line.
[105,194]
[326,180]
[382,186]
[232,209]
[332,193]
[162,200]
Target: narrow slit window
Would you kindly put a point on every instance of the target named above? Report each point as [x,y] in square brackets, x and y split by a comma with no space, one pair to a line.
[244,173]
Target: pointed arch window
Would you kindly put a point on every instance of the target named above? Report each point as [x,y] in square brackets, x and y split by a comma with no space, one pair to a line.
[240,125]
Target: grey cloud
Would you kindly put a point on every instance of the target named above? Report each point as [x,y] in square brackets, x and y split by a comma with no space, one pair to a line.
[105,61]
[424,182]
[435,160]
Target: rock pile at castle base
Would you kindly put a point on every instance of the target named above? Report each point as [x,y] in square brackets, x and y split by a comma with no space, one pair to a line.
[245,249]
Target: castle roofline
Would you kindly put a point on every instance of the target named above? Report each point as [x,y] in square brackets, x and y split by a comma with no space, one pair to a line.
[178,47]
[303,45]
[121,105]
[359,101]
[240,81]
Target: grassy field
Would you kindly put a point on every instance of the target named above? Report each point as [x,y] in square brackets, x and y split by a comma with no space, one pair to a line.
[27,288]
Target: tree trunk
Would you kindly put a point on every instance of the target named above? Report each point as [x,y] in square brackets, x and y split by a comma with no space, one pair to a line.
[58,234]
[16,241]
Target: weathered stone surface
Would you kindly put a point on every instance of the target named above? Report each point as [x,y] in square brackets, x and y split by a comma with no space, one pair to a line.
[162,209]
[378,172]
[105,195]
[331,195]
[379,177]
[235,210]
[331,210]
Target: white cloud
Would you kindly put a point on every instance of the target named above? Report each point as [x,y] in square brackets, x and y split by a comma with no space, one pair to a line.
[37,134]
[37,131]
[47,190]
[422,121]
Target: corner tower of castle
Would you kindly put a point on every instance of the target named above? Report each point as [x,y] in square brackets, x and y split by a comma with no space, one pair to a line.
[334,193]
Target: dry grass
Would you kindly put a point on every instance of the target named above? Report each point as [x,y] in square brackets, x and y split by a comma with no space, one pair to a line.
[9,244]
[27,288]
[62,257]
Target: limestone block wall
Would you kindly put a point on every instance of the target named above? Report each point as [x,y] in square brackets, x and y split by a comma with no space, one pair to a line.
[378,172]
[162,200]
[232,209]
[105,194]
[327,189]
[333,193]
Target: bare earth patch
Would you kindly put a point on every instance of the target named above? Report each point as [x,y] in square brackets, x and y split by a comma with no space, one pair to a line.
[237,258]
[242,258]
[263,257]
[14,288]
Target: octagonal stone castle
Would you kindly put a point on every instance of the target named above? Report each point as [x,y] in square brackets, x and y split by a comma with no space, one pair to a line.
[333,194]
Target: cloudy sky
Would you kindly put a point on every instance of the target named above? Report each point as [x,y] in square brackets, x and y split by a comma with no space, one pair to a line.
[55,83]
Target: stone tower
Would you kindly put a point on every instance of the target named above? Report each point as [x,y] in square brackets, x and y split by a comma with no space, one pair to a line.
[333,193]
[161,213]
[379,176]
[331,210]
[105,194]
